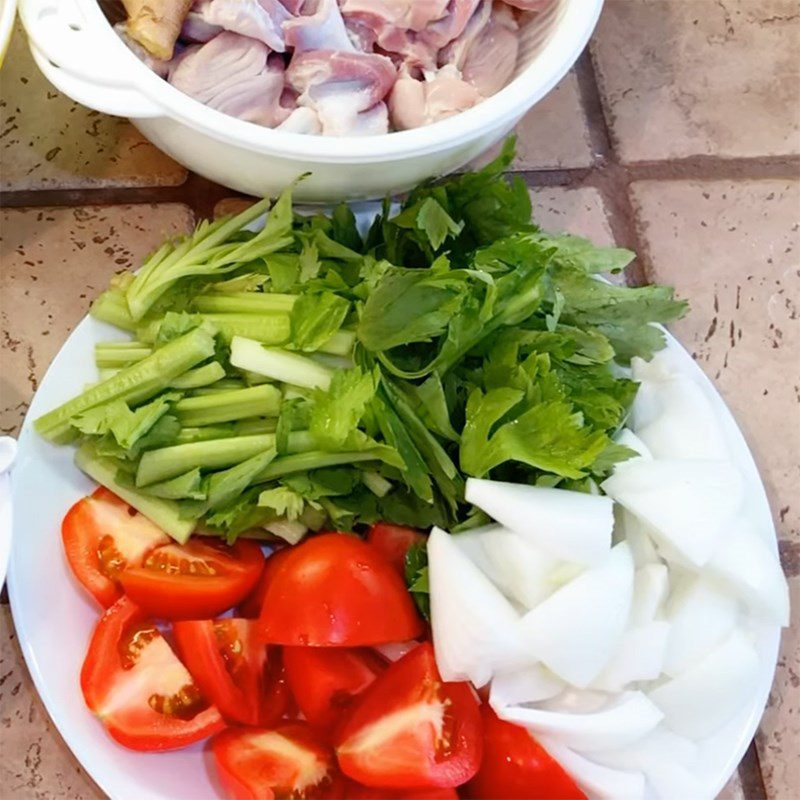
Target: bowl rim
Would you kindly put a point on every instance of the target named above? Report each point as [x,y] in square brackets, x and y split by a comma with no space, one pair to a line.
[571,33]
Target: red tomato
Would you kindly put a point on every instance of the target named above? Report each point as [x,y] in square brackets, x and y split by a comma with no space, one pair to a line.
[410,729]
[103,536]
[336,590]
[277,702]
[516,767]
[284,762]
[355,791]
[250,607]
[228,664]
[138,687]
[196,580]
[324,680]
[394,541]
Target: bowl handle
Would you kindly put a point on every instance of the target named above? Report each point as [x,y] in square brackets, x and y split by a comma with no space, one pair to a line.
[74,55]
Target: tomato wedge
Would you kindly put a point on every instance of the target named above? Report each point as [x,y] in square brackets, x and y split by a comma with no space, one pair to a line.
[284,762]
[133,681]
[228,664]
[102,536]
[410,729]
[336,590]
[196,580]
[355,791]
[325,680]
[394,541]
[516,767]
[251,606]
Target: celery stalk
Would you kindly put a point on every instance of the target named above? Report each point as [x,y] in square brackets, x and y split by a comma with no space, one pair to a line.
[119,354]
[257,401]
[169,462]
[244,303]
[112,307]
[340,344]
[135,383]
[164,513]
[316,459]
[272,328]
[280,365]
[200,376]
[207,433]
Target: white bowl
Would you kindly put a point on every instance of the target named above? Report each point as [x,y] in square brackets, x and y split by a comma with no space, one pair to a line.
[8,11]
[81,55]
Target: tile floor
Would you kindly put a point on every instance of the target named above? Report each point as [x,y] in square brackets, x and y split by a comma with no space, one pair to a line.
[677,134]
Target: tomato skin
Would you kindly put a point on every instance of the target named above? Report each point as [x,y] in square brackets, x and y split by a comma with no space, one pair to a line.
[394,541]
[103,522]
[251,606]
[326,593]
[277,702]
[355,791]
[516,767]
[287,761]
[325,680]
[174,595]
[104,678]
[410,754]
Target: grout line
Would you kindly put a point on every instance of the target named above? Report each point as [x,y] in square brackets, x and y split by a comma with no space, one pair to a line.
[750,775]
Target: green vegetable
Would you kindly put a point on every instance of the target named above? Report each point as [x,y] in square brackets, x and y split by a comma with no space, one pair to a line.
[417,577]
[302,375]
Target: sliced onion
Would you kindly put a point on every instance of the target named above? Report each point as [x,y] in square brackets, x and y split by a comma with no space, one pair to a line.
[627,437]
[749,567]
[700,616]
[639,657]
[599,782]
[627,719]
[686,426]
[528,685]
[637,534]
[650,590]
[575,631]
[688,504]
[705,697]
[524,573]
[573,526]
[475,628]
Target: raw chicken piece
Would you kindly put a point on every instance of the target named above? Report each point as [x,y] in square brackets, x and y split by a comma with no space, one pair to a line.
[530,5]
[159,66]
[387,24]
[321,27]
[451,26]
[486,52]
[371,122]
[414,103]
[301,120]
[258,19]
[155,24]
[196,29]
[235,75]
[339,86]
[414,15]
[293,6]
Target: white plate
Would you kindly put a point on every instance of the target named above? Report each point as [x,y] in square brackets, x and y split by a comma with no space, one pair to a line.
[54,618]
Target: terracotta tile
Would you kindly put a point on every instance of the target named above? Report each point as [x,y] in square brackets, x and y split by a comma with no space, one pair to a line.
[554,133]
[732,250]
[49,142]
[733,789]
[36,763]
[55,261]
[694,77]
[578,211]
[230,206]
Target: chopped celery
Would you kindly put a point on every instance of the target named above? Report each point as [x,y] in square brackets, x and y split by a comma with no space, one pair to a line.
[209,432]
[291,531]
[103,374]
[168,462]
[250,426]
[265,328]
[279,365]
[224,487]
[376,483]
[316,459]
[222,385]
[164,513]
[254,379]
[244,303]
[257,401]
[340,344]
[120,354]
[184,487]
[112,307]
[135,383]
[332,362]
[200,376]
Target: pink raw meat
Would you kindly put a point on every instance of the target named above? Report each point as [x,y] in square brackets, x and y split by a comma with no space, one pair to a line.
[414,103]
[235,75]
[451,26]
[530,5]
[258,19]
[320,27]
